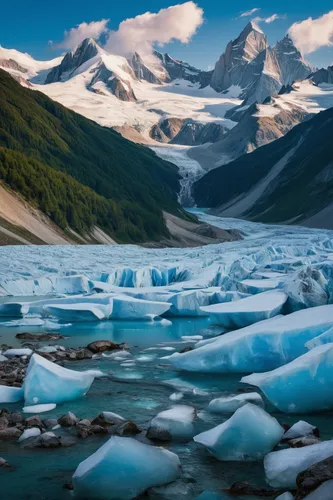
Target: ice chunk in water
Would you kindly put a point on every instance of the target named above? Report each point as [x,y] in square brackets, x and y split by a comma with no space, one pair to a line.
[259,347]
[39,408]
[285,496]
[123,468]
[302,386]
[11,353]
[300,429]
[78,312]
[33,432]
[248,435]
[283,466]
[130,308]
[46,382]
[244,312]
[229,404]
[177,422]
[11,394]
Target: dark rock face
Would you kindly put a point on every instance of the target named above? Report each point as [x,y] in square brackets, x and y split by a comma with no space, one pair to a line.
[229,70]
[180,70]
[141,70]
[292,64]
[323,75]
[313,477]
[121,89]
[35,337]
[73,60]
[167,129]
[186,131]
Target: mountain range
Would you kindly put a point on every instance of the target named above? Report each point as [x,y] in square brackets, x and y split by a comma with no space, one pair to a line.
[212,125]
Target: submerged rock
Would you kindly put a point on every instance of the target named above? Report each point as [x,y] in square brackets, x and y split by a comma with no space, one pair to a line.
[243,488]
[311,478]
[4,464]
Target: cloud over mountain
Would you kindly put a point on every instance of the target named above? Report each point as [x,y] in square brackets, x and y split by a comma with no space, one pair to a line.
[311,34]
[179,22]
[76,35]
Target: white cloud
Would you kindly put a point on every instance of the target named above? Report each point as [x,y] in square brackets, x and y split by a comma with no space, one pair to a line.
[179,22]
[75,36]
[268,20]
[311,34]
[248,13]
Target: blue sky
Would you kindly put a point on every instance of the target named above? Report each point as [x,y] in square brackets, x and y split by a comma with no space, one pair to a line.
[28,26]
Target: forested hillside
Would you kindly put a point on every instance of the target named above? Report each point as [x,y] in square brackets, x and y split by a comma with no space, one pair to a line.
[79,173]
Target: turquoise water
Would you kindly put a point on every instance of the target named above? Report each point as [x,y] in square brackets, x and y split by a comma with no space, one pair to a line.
[136,392]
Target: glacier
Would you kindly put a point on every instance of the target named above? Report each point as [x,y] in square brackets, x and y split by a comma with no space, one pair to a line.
[301,386]
[248,435]
[123,468]
[46,382]
[247,311]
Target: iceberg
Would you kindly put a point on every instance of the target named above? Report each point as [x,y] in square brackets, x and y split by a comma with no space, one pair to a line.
[247,311]
[283,466]
[300,429]
[11,394]
[124,468]
[176,423]
[129,308]
[229,404]
[307,288]
[188,303]
[286,496]
[78,312]
[248,435]
[46,382]
[13,309]
[302,386]
[262,346]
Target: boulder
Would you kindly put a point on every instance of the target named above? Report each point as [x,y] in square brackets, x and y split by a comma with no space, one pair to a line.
[9,434]
[68,420]
[104,345]
[34,421]
[46,440]
[311,478]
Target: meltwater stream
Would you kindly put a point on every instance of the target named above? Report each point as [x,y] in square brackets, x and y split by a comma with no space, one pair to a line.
[140,387]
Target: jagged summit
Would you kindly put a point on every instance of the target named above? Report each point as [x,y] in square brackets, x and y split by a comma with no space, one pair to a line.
[293,66]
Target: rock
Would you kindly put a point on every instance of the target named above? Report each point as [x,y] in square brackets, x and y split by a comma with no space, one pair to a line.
[107,418]
[313,477]
[3,422]
[186,349]
[11,433]
[242,488]
[98,429]
[4,464]
[34,421]
[46,440]
[104,345]
[49,423]
[68,420]
[178,490]
[84,428]
[67,441]
[84,354]
[15,418]
[39,337]
[68,486]
[158,434]
[128,429]
[303,441]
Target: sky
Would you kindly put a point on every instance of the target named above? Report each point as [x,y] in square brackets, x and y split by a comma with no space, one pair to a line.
[196,34]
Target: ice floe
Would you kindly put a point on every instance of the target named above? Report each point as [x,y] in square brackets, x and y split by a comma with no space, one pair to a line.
[42,408]
[47,382]
[301,386]
[123,468]
[229,404]
[11,394]
[130,308]
[248,435]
